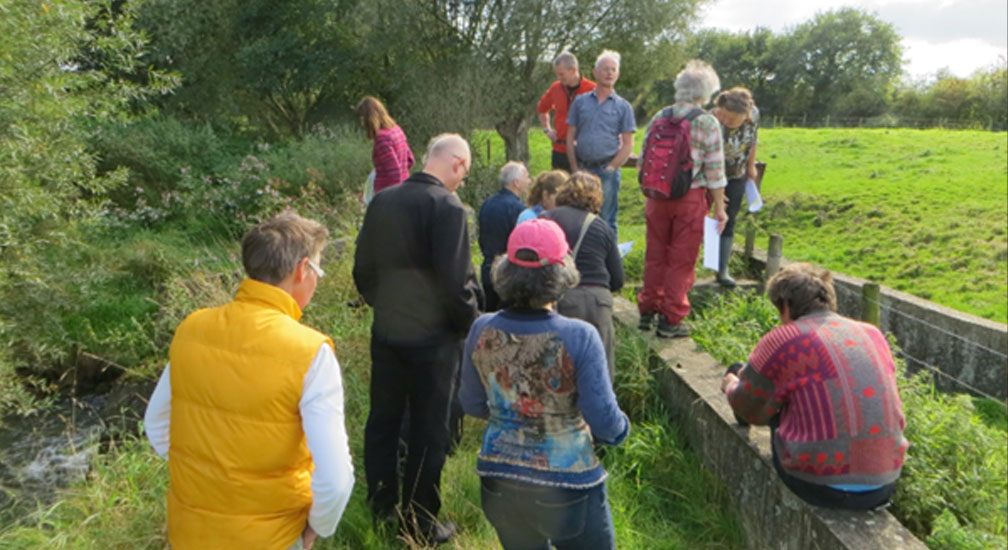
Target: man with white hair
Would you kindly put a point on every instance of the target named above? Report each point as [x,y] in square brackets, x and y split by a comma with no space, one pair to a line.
[497,218]
[558,98]
[600,129]
[413,266]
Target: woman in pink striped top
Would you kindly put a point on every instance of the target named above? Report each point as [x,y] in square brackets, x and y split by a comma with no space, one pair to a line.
[391,155]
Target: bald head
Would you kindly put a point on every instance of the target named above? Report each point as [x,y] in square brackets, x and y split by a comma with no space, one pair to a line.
[448,159]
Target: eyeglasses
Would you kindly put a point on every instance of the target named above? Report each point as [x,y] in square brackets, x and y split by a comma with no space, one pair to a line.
[316,268]
[464,165]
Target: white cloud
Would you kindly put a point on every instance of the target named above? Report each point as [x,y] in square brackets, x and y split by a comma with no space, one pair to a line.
[963,35]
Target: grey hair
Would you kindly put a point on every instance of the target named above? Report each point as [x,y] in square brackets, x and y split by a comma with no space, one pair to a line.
[272,249]
[447,143]
[608,54]
[510,172]
[532,287]
[566,59]
[696,83]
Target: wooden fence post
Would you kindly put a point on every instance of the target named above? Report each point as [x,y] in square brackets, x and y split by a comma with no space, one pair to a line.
[774,254]
[488,151]
[870,311]
[750,241]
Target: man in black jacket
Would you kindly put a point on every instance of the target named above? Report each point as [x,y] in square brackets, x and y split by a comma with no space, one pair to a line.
[413,266]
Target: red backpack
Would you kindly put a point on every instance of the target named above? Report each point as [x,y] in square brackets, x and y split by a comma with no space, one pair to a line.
[666,164]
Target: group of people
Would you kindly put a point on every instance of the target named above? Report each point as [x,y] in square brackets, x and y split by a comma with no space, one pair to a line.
[249,410]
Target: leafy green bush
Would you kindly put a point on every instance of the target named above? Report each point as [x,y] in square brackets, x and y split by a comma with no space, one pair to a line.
[956,464]
[157,151]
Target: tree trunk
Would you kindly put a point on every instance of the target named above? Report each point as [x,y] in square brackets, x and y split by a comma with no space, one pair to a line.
[514,132]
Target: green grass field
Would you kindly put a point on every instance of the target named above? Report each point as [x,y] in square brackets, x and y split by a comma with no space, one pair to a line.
[922,211]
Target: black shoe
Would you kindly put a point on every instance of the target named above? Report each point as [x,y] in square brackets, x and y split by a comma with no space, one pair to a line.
[646,321]
[668,330]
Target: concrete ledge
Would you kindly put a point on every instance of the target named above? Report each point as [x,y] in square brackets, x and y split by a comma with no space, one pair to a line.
[964,347]
[772,516]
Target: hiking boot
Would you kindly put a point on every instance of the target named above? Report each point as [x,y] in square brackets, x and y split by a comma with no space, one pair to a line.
[646,322]
[668,330]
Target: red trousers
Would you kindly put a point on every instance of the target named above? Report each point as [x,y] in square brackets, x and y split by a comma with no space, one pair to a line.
[674,234]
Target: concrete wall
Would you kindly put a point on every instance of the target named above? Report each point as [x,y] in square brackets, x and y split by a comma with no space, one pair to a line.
[772,517]
[964,347]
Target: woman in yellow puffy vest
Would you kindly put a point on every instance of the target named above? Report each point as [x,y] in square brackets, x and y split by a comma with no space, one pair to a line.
[249,410]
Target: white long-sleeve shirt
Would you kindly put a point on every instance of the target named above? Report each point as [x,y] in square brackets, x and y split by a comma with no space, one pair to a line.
[323,423]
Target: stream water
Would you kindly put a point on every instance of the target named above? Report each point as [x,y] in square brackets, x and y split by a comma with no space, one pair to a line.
[52,449]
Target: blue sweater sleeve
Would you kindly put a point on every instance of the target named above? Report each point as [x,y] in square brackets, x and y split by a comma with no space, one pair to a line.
[472,394]
[596,399]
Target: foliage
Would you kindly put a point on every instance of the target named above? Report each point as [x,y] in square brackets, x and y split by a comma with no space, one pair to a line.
[979,99]
[506,48]
[842,63]
[957,465]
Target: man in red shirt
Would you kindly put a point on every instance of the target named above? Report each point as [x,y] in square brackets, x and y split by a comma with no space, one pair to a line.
[558,97]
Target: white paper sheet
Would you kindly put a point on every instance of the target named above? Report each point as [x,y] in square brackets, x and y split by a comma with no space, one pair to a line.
[711,243]
[624,248]
[752,196]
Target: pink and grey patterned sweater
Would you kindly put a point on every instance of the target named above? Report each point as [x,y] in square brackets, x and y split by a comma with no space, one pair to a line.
[833,382]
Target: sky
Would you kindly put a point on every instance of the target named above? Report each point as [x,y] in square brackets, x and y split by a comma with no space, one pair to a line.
[961,35]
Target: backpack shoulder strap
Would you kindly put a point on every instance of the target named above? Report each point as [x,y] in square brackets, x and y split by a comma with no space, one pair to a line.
[589,218]
[694,113]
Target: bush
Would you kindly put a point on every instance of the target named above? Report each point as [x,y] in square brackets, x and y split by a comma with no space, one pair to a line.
[158,151]
[956,464]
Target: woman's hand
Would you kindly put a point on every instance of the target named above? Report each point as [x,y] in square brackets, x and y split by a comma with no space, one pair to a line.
[751,172]
[728,383]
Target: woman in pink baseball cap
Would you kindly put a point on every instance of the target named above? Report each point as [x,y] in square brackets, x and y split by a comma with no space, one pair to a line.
[542,382]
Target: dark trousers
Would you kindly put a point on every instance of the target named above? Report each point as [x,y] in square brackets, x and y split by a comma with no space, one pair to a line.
[828,497]
[492,301]
[424,380]
[536,517]
[560,161]
[593,304]
[735,191]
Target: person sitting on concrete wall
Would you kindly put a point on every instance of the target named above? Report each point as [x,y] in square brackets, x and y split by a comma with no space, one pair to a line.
[826,385]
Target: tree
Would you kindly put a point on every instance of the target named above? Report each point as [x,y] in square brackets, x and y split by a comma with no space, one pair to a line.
[62,71]
[507,46]
[279,65]
[836,54]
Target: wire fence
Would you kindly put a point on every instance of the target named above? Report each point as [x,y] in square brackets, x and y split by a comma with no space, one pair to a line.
[882,121]
[926,364]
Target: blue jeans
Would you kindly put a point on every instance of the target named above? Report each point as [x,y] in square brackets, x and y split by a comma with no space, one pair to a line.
[610,194]
[536,517]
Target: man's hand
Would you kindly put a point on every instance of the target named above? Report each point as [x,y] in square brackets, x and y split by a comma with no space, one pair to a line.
[308,537]
[751,172]
[728,383]
[550,133]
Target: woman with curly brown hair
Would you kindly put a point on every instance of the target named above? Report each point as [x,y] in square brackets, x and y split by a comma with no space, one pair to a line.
[596,254]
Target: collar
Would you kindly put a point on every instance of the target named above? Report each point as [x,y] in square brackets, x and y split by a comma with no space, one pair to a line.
[252,291]
[427,178]
[612,95]
[526,314]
